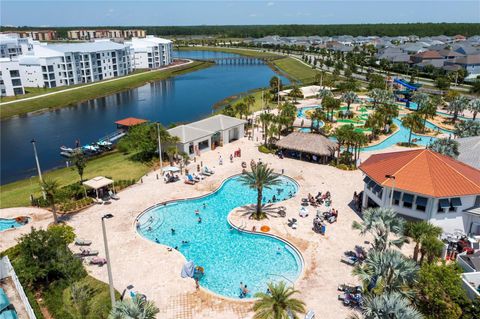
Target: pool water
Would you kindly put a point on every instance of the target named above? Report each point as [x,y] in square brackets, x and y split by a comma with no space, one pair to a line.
[301,114]
[8,223]
[228,256]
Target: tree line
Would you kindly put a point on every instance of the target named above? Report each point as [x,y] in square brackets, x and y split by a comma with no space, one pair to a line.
[257,31]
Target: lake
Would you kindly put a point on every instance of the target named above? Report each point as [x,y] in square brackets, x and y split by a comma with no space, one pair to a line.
[184,98]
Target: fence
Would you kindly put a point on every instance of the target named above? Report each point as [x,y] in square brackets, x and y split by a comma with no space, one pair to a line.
[6,270]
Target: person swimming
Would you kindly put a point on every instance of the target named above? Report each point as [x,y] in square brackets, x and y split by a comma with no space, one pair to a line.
[184,242]
[199,220]
[197,212]
[204,205]
[172,230]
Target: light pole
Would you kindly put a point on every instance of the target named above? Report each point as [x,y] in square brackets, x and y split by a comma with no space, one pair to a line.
[159,149]
[107,256]
[36,160]
[393,188]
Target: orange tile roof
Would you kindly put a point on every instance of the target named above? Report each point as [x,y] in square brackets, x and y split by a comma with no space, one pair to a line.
[130,121]
[423,172]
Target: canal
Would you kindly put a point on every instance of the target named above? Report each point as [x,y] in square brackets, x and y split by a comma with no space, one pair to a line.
[183,98]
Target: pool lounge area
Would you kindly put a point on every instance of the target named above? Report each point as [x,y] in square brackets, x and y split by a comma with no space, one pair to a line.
[199,229]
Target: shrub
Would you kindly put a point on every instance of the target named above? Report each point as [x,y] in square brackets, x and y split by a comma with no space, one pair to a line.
[264,149]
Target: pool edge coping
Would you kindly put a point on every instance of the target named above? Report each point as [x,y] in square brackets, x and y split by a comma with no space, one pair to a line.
[243,300]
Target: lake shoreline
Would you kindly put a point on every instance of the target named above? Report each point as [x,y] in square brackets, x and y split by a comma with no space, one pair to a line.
[19,108]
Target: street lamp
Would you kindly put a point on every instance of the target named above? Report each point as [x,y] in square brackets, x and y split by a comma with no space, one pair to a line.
[159,148]
[36,160]
[107,256]
[393,188]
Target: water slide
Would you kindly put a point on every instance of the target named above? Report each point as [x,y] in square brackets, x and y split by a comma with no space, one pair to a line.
[406,84]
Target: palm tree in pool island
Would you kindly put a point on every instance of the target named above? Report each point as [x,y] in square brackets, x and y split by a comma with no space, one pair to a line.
[278,304]
[259,178]
[413,122]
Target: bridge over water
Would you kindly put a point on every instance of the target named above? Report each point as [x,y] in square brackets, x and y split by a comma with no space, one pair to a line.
[242,60]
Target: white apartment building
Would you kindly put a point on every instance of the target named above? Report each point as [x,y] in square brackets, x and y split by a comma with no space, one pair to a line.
[84,34]
[10,79]
[55,65]
[11,45]
[151,52]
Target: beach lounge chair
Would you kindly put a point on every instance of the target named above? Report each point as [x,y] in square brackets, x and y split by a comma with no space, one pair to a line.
[303,212]
[112,195]
[198,176]
[188,181]
[193,177]
[352,261]
[310,315]
[208,170]
[82,242]
[88,252]
[97,261]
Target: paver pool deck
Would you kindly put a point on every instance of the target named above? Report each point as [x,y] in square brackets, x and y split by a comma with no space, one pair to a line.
[155,271]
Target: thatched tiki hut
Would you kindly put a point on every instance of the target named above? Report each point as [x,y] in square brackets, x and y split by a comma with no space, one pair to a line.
[306,146]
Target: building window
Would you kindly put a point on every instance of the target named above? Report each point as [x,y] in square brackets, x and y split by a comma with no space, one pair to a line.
[203,145]
[443,204]
[14,74]
[421,203]
[407,200]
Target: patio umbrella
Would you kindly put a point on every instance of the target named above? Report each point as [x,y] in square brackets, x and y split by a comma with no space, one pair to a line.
[188,269]
[171,169]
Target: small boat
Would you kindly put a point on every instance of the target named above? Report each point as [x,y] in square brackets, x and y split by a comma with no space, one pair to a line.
[66,154]
[63,148]
[104,143]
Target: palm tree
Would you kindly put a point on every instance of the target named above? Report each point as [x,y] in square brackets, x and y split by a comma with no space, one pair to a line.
[432,248]
[446,147]
[474,107]
[135,308]
[412,121]
[265,119]
[425,107]
[79,162]
[467,128]
[324,93]
[259,178]
[388,111]
[381,222]
[295,93]
[242,109]
[389,306]
[278,304]
[249,101]
[330,104]
[459,104]
[376,95]
[359,140]
[349,97]
[316,117]
[389,271]
[50,187]
[375,121]
[420,230]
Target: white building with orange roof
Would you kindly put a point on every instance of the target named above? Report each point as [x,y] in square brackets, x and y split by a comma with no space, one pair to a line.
[425,185]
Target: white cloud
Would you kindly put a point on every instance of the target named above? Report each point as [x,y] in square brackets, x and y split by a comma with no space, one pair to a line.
[271,3]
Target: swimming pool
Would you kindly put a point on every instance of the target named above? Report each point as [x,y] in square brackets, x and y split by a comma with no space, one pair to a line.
[301,114]
[228,256]
[8,223]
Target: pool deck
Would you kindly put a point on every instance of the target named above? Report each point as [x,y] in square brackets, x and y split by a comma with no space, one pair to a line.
[155,271]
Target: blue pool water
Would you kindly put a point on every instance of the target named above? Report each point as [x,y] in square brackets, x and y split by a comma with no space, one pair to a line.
[8,223]
[301,114]
[400,136]
[228,256]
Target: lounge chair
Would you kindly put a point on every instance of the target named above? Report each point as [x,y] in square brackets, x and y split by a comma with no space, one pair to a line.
[82,242]
[303,212]
[310,315]
[198,176]
[97,261]
[352,261]
[112,195]
[208,170]
[188,181]
[88,252]
[194,178]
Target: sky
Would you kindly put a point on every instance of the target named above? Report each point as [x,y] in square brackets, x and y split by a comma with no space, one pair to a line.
[199,12]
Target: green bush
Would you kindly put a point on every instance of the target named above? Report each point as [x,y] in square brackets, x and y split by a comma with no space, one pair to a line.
[265,150]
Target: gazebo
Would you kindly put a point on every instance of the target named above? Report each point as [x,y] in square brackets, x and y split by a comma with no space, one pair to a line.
[99,182]
[307,146]
[128,122]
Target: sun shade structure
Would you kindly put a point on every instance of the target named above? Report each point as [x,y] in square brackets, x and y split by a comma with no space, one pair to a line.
[423,172]
[308,143]
[130,121]
[97,183]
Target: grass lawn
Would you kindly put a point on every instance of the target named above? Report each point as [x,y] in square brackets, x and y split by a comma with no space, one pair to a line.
[94,91]
[295,69]
[252,53]
[115,165]
[60,304]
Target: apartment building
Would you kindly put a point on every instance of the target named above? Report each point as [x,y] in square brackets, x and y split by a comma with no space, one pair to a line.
[41,35]
[11,45]
[73,63]
[150,52]
[10,78]
[84,34]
